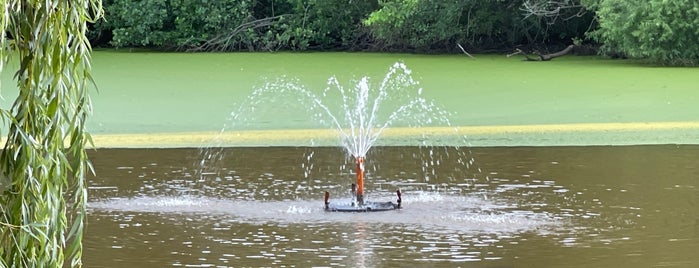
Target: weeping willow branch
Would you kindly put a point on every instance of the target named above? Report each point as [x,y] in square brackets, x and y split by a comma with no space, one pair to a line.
[13,226]
[43,209]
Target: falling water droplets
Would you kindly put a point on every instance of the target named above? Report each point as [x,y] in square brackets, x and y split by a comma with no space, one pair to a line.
[360,114]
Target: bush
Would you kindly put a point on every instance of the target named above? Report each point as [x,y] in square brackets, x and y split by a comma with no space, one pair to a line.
[664,32]
[482,24]
[422,25]
[233,24]
[172,23]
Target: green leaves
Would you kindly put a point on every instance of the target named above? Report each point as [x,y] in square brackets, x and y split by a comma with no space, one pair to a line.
[172,24]
[226,25]
[663,32]
[426,25]
[37,169]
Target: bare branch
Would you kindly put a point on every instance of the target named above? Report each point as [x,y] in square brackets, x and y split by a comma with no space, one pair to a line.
[226,42]
[552,9]
[542,57]
[517,52]
[464,51]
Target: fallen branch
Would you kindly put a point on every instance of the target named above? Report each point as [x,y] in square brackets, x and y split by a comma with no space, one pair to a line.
[565,51]
[464,51]
[542,57]
[517,52]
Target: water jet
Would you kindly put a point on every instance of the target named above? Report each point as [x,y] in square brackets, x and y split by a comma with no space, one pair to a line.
[358,115]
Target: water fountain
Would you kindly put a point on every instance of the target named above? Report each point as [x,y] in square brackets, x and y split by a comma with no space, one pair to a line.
[532,205]
[252,208]
[359,115]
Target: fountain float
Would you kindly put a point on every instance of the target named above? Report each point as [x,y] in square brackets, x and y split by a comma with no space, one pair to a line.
[358,204]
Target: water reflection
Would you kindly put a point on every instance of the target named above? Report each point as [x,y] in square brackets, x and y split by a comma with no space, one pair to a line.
[561,206]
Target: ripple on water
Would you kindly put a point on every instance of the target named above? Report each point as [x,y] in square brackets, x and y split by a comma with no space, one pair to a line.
[429,210]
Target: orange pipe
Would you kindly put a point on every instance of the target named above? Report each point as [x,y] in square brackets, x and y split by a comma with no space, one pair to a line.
[360,180]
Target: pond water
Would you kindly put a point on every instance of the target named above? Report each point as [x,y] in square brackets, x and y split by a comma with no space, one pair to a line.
[618,206]
[192,92]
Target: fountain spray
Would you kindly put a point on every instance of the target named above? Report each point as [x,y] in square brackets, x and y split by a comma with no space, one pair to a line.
[361,117]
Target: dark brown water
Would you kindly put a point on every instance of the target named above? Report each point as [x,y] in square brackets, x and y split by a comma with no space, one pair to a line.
[629,206]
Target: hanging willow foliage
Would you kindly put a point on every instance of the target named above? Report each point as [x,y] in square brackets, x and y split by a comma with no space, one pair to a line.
[43,162]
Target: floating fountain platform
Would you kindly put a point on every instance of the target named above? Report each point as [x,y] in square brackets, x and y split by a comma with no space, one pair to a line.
[360,206]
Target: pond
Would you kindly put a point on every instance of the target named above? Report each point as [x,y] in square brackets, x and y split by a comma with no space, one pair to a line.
[151,92]
[594,206]
[565,201]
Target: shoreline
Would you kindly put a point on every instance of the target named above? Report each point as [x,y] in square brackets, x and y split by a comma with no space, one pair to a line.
[634,133]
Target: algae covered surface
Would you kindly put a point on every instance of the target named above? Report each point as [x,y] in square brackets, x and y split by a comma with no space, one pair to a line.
[149,99]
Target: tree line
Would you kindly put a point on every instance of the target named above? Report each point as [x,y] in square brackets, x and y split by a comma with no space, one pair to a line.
[660,31]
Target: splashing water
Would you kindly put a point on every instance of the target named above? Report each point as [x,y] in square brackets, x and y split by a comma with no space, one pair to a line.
[364,111]
[357,116]
[362,121]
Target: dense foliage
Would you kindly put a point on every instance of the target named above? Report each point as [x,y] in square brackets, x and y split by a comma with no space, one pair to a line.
[232,24]
[328,24]
[664,32]
[659,30]
[479,24]
[43,163]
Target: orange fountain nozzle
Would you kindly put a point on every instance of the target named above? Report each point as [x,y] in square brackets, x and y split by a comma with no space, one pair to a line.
[360,180]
